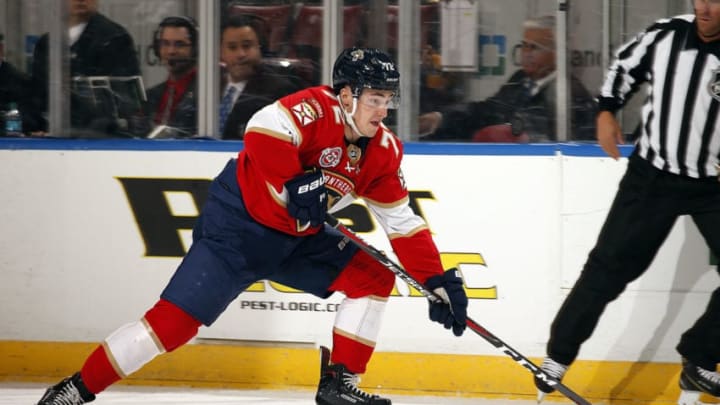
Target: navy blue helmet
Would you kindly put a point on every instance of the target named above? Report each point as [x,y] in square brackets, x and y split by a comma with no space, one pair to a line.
[365,68]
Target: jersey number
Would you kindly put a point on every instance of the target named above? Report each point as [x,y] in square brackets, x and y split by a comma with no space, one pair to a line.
[388,140]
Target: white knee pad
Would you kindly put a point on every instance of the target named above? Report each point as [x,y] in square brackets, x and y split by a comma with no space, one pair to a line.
[131,347]
[360,318]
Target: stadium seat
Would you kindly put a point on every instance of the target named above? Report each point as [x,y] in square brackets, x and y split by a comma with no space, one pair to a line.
[501,133]
[306,38]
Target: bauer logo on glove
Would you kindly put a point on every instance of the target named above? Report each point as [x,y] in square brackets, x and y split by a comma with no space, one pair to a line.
[307,198]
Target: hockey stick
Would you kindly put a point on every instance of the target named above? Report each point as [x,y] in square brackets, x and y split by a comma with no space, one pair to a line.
[474,326]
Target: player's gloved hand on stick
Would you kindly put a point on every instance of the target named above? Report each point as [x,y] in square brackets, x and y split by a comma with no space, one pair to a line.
[307,198]
[452,311]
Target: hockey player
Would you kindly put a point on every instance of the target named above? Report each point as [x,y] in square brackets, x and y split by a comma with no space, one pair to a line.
[673,171]
[264,219]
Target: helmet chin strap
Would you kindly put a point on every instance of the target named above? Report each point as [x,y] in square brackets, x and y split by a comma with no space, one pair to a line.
[349,116]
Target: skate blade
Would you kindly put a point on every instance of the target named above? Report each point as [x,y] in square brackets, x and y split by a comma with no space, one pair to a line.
[690,398]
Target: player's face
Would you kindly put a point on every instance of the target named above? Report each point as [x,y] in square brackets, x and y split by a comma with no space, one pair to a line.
[707,16]
[240,52]
[538,52]
[372,108]
[176,49]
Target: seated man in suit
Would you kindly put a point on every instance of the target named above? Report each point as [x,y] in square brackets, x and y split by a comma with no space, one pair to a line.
[250,84]
[526,101]
[173,103]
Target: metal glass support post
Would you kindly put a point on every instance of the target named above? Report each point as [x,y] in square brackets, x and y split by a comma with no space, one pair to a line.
[562,107]
[605,51]
[208,69]
[58,71]
[409,64]
[333,32]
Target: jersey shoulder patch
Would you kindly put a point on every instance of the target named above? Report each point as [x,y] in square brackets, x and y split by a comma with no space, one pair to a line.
[309,105]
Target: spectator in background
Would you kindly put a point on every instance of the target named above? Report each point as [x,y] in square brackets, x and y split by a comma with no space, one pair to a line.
[14,86]
[251,84]
[437,88]
[98,47]
[173,103]
[526,101]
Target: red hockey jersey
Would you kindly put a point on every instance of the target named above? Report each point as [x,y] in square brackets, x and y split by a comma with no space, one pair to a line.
[304,131]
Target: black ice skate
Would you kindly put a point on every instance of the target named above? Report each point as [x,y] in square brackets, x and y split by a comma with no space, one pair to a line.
[554,370]
[70,391]
[338,386]
[695,380]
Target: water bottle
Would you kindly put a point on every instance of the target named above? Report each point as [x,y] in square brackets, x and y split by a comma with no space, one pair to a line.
[13,121]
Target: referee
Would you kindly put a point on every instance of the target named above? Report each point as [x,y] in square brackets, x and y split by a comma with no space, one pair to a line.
[672,172]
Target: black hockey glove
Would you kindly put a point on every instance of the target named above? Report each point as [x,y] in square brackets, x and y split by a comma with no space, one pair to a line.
[452,312]
[307,198]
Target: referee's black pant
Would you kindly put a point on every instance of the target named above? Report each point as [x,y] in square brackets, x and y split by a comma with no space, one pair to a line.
[645,208]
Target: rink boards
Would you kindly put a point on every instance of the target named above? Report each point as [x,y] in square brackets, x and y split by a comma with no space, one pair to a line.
[92,231]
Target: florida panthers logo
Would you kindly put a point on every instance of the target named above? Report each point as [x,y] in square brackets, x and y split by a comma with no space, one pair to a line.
[714,85]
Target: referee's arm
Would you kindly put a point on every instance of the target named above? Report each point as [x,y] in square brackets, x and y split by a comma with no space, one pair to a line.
[623,78]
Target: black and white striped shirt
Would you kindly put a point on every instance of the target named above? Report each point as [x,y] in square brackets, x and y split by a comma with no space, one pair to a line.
[680,126]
